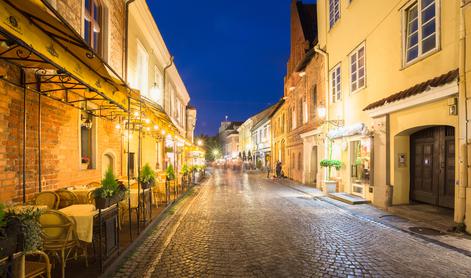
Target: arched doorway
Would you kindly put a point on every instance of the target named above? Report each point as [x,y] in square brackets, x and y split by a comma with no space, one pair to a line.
[314,162]
[108,163]
[432,171]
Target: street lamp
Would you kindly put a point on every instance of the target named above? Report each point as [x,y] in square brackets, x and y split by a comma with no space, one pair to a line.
[200,142]
[322,113]
[215,153]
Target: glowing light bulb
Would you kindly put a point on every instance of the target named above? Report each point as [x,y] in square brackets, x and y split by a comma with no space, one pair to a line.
[118,126]
[156,127]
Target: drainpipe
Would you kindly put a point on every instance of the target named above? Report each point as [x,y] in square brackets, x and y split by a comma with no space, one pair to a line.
[126,41]
[317,49]
[170,63]
[460,212]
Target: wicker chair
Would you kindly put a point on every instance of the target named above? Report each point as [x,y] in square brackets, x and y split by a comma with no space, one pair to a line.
[93,184]
[66,198]
[39,267]
[47,198]
[59,236]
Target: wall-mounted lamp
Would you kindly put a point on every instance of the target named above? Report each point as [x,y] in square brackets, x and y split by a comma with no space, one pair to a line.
[86,120]
[453,106]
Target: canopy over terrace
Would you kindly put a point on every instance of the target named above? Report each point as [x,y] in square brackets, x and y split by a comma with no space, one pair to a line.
[56,62]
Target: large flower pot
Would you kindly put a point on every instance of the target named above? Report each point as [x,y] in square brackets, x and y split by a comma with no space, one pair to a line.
[101,203]
[330,186]
[146,185]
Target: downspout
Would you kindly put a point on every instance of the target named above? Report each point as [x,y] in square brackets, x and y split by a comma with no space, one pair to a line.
[125,73]
[126,41]
[165,78]
[460,213]
[327,148]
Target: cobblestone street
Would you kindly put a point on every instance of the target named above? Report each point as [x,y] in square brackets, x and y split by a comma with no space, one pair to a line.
[247,226]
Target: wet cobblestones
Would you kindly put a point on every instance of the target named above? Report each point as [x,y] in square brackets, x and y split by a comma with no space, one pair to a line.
[241,225]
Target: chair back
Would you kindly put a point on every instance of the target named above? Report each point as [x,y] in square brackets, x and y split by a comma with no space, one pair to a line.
[57,230]
[134,185]
[66,198]
[93,184]
[47,198]
[90,198]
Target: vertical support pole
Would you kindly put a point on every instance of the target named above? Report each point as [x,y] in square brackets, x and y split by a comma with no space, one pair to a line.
[38,88]
[139,207]
[175,180]
[129,169]
[23,84]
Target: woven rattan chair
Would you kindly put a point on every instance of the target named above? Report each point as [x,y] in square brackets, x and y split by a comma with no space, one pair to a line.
[35,264]
[47,198]
[66,198]
[59,236]
[134,185]
[93,184]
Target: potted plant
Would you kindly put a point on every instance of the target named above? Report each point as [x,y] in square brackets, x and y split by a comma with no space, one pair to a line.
[331,185]
[170,172]
[109,192]
[85,162]
[8,235]
[185,171]
[147,177]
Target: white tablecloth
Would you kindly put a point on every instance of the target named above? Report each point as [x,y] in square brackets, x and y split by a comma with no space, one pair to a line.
[83,216]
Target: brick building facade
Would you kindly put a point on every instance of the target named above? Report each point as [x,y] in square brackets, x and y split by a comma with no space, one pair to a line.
[300,85]
[59,129]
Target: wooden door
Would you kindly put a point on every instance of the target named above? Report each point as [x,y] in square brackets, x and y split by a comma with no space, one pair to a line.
[433,166]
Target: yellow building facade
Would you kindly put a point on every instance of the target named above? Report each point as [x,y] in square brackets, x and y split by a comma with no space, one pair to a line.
[393,110]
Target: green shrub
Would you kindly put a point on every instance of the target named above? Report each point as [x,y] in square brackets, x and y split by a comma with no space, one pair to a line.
[170,172]
[147,175]
[109,186]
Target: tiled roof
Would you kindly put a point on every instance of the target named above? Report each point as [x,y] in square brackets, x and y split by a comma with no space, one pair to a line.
[415,90]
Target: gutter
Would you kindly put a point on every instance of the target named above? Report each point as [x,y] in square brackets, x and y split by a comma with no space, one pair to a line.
[170,63]
[126,41]
[464,169]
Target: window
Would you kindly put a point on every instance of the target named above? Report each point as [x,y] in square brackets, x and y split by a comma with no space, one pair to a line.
[93,25]
[301,111]
[335,84]
[156,93]
[334,11]
[420,35]
[300,162]
[293,118]
[305,112]
[283,123]
[87,140]
[142,70]
[314,100]
[357,69]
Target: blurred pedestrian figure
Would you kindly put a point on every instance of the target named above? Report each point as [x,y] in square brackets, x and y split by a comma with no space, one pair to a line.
[278,169]
[268,169]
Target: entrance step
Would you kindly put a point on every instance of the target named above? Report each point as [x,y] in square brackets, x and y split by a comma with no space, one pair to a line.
[348,198]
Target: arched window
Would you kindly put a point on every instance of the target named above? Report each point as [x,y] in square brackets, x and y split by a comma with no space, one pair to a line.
[93,24]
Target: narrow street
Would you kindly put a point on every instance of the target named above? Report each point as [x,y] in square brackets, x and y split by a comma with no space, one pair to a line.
[243,225]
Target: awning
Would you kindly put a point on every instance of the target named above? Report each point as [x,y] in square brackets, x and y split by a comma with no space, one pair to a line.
[345,131]
[36,38]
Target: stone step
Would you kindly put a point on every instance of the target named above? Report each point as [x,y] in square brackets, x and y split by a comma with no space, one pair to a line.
[348,198]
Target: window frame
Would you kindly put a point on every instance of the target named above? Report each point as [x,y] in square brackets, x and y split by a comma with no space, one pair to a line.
[355,52]
[338,95]
[404,19]
[102,9]
[332,24]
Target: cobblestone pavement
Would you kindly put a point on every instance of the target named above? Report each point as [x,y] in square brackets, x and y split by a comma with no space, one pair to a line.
[246,226]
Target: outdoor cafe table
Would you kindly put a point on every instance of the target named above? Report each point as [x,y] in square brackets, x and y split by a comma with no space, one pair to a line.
[133,193]
[83,216]
[82,194]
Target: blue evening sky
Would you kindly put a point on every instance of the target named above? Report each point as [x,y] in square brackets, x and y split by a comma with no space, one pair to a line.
[231,54]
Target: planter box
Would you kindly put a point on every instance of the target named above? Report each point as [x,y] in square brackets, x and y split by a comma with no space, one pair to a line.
[102,203]
[84,166]
[330,186]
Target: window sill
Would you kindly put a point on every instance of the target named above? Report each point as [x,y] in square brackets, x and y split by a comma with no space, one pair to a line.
[358,90]
[419,59]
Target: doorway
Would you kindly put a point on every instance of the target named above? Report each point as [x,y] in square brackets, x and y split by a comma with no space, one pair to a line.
[433,166]
[314,162]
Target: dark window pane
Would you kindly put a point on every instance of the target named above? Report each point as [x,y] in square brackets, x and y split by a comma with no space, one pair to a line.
[412,53]
[428,13]
[428,29]
[428,44]
[86,34]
